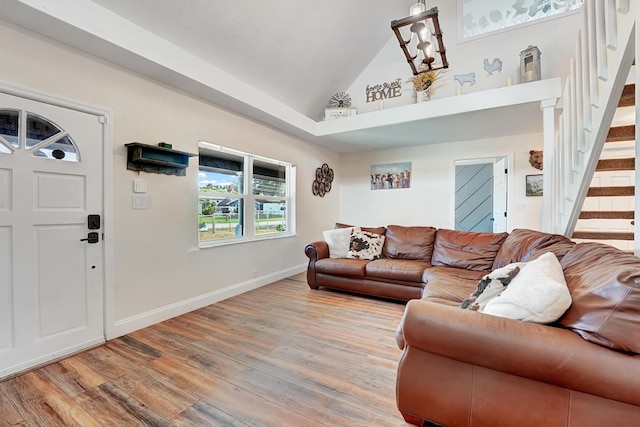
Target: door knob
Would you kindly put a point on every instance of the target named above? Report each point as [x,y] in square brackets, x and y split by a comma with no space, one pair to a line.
[91,238]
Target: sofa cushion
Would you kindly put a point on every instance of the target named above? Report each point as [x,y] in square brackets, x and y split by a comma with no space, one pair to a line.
[341,266]
[538,293]
[449,283]
[522,245]
[365,245]
[605,286]
[466,249]
[397,269]
[376,230]
[491,286]
[338,240]
[414,243]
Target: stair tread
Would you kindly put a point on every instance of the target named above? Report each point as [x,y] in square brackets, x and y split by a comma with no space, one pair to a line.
[613,191]
[627,164]
[628,97]
[602,235]
[607,214]
[621,133]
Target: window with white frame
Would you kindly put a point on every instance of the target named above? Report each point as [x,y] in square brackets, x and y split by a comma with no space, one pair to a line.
[243,197]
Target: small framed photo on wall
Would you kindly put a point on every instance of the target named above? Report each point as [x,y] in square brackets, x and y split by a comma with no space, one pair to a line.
[534,185]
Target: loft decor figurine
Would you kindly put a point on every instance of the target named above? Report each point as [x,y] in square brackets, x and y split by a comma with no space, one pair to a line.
[530,65]
[340,100]
[422,84]
[536,159]
[339,106]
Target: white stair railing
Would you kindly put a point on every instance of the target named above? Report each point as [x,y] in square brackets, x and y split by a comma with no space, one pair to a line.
[605,48]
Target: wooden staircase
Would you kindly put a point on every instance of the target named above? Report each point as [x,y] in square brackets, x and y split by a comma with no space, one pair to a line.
[593,93]
[612,219]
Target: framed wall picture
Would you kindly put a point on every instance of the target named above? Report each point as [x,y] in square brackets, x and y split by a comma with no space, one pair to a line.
[534,185]
[391,176]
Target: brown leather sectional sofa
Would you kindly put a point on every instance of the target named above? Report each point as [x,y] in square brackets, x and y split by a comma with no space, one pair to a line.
[465,368]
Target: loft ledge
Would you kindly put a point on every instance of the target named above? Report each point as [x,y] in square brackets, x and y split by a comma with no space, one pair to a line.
[524,93]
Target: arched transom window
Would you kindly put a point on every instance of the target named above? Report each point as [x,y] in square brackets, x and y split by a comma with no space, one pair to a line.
[21,130]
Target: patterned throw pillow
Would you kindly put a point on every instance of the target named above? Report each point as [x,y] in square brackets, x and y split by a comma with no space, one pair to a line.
[365,245]
[491,286]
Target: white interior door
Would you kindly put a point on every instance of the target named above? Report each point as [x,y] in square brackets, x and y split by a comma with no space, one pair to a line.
[51,281]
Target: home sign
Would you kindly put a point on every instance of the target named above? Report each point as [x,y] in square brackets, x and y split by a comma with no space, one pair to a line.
[382,91]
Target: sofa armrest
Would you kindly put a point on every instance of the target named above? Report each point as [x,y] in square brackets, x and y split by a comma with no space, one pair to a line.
[315,251]
[538,352]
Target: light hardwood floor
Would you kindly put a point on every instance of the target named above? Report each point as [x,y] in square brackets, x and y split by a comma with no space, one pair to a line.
[281,355]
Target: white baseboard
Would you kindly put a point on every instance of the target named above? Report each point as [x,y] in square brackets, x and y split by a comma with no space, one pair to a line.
[133,323]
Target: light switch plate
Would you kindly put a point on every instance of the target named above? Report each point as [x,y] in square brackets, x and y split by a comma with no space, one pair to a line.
[139,186]
[140,201]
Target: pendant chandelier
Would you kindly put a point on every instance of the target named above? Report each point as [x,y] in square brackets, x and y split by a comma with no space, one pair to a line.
[420,38]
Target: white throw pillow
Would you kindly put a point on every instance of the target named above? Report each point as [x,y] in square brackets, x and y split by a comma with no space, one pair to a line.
[338,240]
[491,286]
[538,294]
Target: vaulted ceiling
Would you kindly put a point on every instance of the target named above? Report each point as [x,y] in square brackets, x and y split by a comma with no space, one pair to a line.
[277,62]
[299,52]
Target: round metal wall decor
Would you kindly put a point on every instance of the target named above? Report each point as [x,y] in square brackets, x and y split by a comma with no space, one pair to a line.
[322,183]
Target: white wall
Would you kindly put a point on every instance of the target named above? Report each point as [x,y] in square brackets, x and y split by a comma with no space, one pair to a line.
[157,262]
[429,201]
[554,37]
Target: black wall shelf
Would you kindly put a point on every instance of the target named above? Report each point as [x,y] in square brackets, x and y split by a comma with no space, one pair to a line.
[149,158]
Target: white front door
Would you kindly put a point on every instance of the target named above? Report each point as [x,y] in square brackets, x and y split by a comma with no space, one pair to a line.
[51,281]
